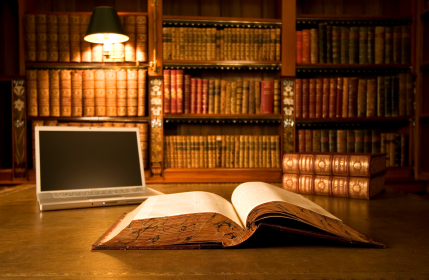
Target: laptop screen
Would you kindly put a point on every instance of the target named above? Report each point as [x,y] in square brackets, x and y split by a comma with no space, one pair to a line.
[88,159]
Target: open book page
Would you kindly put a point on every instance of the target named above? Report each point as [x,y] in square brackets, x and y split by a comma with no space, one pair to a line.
[249,195]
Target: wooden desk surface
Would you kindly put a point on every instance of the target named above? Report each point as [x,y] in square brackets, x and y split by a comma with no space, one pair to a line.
[57,244]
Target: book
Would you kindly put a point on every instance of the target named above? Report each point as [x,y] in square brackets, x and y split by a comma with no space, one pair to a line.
[267,97]
[217,223]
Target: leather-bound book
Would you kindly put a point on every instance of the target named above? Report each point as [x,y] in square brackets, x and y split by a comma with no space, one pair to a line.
[228,98]
[380,96]
[239,97]
[43,92]
[350,141]
[100,92]
[397,44]
[388,96]
[187,94]
[211,96]
[406,44]
[409,94]
[339,101]
[329,44]
[363,44]
[278,44]
[76,96]
[371,45]
[85,47]
[52,39]
[353,96]
[359,141]
[319,97]
[402,94]
[30,37]
[173,92]
[205,96]
[383,143]
[277,97]
[306,46]
[299,46]
[333,140]
[361,97]
[301,140]
[367,140]
[88,93]
[141,38]
[325,97]
[298,98]
[388,45]
[354,45]
[179,91]
[245,102]
[54,93]
[96,52]
[64,38]
[387,149]
[41,38]
[233,97]
[392,148]
[141,95]
[65,93]
[341,141]
[258,97]
[267,97]
[305,98]
[308,146]
[316,147]
[371,97]
[395,96]
[397,149]
[111,94]
[345,98]
[130,45]
[121,92]
[167,96]
[336,44]
[376,141]
[379,44]
[324,140]
[132,93]
[74,26]
[193,105]
[344,48]
[332,98]
[252,97]
[404,150]
[312,98]
[314,46]
[322,40]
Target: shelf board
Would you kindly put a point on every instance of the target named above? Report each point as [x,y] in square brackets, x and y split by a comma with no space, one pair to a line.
[331,68]
[352,19]
[93,119]
[222,65]
[200,21]
[85,65]
[223,118]
[385,122]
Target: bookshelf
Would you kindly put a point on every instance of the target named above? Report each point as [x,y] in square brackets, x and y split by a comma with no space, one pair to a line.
[220,15]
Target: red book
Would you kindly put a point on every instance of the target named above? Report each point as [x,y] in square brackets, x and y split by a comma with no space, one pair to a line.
[325,98]
[199,96]
[298,47]
[298,98]
[312,99]
[205,96]
[305,97]
[187,94]
[332,97]
[167,92]
[173,81]
[306,46]
[193,96]
[179,91]
[319,95]
[339,109]
[267,97]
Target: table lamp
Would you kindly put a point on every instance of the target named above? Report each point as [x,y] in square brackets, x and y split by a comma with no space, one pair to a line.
[105,28]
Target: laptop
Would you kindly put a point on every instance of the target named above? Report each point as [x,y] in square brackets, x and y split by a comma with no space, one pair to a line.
[79,167]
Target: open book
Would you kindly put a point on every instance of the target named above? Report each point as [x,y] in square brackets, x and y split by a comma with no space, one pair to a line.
[206,220]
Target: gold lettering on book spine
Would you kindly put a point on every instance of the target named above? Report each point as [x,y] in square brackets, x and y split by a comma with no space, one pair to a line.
[290,182]
[359,165]
[340,186]
[322,185]
[358,188]
[340,165]
[322,165]
[306,164]
[306,184]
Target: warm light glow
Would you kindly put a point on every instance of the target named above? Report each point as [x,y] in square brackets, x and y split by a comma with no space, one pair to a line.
[101,38]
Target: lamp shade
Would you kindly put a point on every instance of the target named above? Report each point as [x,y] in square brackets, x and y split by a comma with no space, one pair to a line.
[105,27]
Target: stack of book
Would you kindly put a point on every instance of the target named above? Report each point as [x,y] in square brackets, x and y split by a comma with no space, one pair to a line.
[59,38]
[88,93]
[184,94]
[334,174]
[208,43]
[345,97]
[222,151]
[354,44]
[395,145]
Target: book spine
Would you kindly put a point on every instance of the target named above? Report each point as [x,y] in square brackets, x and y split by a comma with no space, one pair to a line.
[314,44]
[54,92]
[43,92]
[359,141]
[339,101]
[344,47]
[367,140]
[312,98]
[353,96]
[132,93]
[267,97]
[308,140]
[306,46]
[239,97]
[392,148]
[380,96]
[397,140]
[332,97]
[350,141]
[397,44]
[387,149]
[179,91]
[64,38]
[277,97]
[121,93]
[319,98]
[341,141]
[74,38]
[409,80]
[222,106]
[305,98]
[257,97]
[361,98]
[88,93]
[211,96]
[205,96]
[371,45]
[173,92]
[316,147]
[329,44]
[233,97]
[141,95]
[322,40]
[324,140]
[371,97]
[76,96]
[345,99]
[388,96]
[65,93]
[228,98]
[299,47]
[376,141]
[30,37]
[363,44]
[379,45]
[336,44]
[187,94]
[245,105]
[130,45]
[388,44]
[333,140]
[198,97]
[402,94]
[141,38]
[354,45]
[325,97]
[100,92]
[41,38]
[111,95]
[252,96]
[406,44]
[301,140]
[52,37]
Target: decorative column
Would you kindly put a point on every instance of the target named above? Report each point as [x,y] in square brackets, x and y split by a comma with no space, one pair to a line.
[19,129]
[156,126]
[288,119]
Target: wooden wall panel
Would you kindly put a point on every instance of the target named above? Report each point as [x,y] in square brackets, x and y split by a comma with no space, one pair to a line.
[210,8]
[252,8]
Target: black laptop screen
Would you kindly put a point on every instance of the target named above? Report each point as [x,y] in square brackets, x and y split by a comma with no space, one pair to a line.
[88,159]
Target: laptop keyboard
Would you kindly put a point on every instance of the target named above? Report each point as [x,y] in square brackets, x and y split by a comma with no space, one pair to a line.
[97,193]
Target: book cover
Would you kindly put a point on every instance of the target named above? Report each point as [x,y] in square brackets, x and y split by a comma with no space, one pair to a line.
[306,46]
[239,96]
[409,80]
[354,45]
[64,38]
[65,93]
[388,96]
[333,140]
[308,146]
[325,97]
[363,44]
[311,98]
[339,102]
[111,94]
[324,140]
[336,44]
[173,91]
[406,44]
[179,91]
[211,96]
[371,97]
[319,97]
[353,96]
[88,93]
[345,98]
[379,45]
[371,45]
[359,141]
[329,44]
[43,93]
[341,141]
[54,92]
[322,40]
[76,97]
[362,97]
[305,100]
[397,44]
[141,95]
[402,94]
[132,93]
[367,140]
[388,44]
[344,47]
[350,141]
[299,46]
[314,46]
[205,96]
[332,98]
[245,104]
[52,37]
[100,92]
[267,97]
[316,147]
[376,141]
[301,140]
[380,96]
[121,92]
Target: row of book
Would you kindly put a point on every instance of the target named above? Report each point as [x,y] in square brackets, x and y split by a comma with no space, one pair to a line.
[354,45]
[184,94]
[208,43]
[143,131]
[358,176]
[222,151]
[88,93]
[52,37]
[395,145]
[342,97]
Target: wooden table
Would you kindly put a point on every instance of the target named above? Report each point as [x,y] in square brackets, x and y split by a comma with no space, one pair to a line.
[56,245]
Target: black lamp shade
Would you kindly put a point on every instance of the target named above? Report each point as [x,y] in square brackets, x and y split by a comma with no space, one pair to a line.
[105,27]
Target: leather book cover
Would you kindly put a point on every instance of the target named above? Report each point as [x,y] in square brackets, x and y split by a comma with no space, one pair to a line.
[198,96]
[30,37]
[277,97]
[388,45]
[336,44]
[267,97]
[332,140]
[130,45]
[299,46]
[392,148]
[402,94]
[278,44]
[42,37]
[359,146]
[376,141]
[187,94]
[258,97]
[367,141]
[341,141]
[179,91]
[54,92]
[65,93]
[245,102]
[406,44]
[308,140]
[353,96]
[141,38]
[397,44]
[301,140]
[319,97]
[239,96]
[252,97]
[306,184]
[305,98]
[74,25]
[395,96]
[205,96]
[88,93]
[379,45]
[64,39]
[329,44]
[345,98]
[371,97]
[388,96]
[380,96]
[121,92]
[332,98]
[52,38]
[344,48]
[316,140]
[312,98]
[324,140]
[322,40]
[404,149]
[141,92]
[354,45]
[363,44]
[233,97]
[43,92]
[350,141]
[322,185]
[173,92]
[306,46]
[211,94]
[325,97]
[387,149]
[361,97]
[314,45]
[371,45]
[76,97]
[228,98]
[298,98]
[132,93]
[339,101]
